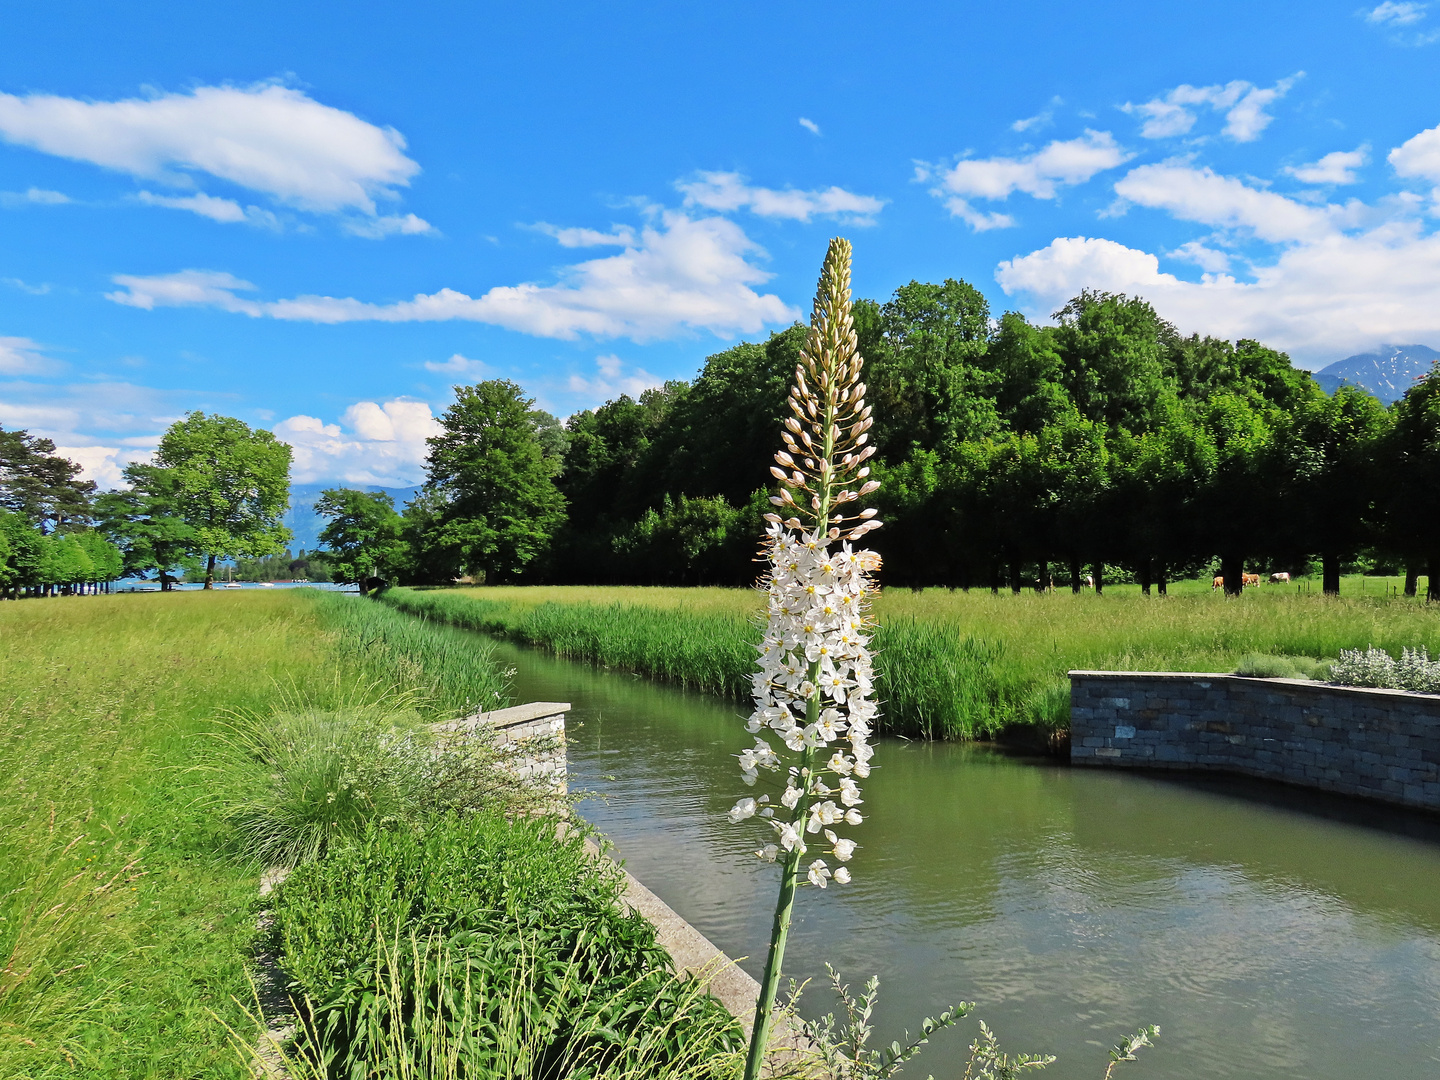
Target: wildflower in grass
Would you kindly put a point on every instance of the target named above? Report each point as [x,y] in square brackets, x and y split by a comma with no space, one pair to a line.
[812,690]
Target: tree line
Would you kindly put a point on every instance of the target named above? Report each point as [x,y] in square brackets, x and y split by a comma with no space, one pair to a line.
[1011,455]
[214,491]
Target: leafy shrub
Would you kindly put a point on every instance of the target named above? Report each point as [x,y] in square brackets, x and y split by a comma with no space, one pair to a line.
[294,782]
[493,941]
[1375,667]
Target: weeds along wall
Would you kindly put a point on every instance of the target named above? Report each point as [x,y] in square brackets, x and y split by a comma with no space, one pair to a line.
[934,683]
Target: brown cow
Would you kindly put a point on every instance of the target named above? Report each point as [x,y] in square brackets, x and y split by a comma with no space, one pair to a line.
[1250,579]
[1218,583]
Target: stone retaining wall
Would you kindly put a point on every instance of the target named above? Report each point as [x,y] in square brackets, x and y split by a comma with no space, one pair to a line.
[539,723]
[1380,744]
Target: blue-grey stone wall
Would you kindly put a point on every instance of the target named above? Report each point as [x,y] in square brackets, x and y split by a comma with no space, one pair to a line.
[1380,744]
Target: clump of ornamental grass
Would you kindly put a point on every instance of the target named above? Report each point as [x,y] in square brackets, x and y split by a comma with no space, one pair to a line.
[812,690]
[293,782]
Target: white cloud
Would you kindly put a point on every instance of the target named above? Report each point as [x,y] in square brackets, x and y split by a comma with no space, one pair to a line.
[1203,256]
[613,380]
[1061,163]
[810,125]
[1337,167]
[21,356]
[26,287]
[459,367]
[380,443]
[267,138]
[376,228]
[1042,119]
[729,191]
[618,236]
[33,197]
[225,211]
[1204,196]
[1418,158]
[1243,104]
[1392,14]
[1320,300]
[685,274]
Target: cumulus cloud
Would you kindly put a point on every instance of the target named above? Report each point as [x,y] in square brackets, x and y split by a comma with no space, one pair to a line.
[614,378]
[33,197]
[810,125]
[1418,158]
[1202,195]
[380,443]
[377,228]
[682,274]
[730,191]
[1061,163]
[21,356]
[1337,167]
[1320,300]
[266,138]
[1243,103]
[459,367]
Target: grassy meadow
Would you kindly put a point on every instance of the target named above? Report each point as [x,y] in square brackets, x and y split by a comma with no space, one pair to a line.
[951,664]
[125,913]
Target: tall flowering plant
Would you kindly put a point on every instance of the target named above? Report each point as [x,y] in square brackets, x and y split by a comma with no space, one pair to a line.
[813,712]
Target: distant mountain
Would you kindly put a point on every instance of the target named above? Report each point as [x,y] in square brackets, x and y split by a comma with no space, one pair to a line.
[302,520]
[1387,373]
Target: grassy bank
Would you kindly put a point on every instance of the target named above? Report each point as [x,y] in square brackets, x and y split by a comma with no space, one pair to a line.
[124,918]
[952,664]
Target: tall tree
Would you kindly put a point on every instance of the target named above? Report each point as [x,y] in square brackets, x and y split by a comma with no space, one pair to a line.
[1412,461]
[362,534]
[145,522]
[39,484]
[1116,352]
[231,486]
[489,465]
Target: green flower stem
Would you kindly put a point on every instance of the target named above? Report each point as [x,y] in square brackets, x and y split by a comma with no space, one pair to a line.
[784,906]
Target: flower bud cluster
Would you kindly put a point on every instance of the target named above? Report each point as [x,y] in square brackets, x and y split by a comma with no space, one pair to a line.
[812,692]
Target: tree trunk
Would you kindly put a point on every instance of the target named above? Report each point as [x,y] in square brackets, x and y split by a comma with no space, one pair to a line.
[209,571]
[1099,571]
[1074,574]
[995,576]
[1330,573]
[1160,577]
[1145,575]
[1432,588]
[1014,569]
[1412,578]
[1232,569]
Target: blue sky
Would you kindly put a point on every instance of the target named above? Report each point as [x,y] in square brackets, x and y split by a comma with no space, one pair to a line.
[320,217]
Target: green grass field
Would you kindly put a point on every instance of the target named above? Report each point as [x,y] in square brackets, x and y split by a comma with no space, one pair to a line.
[124,923]
[953,664]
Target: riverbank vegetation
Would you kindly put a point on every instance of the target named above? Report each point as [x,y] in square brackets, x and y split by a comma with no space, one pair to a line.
[951,664]
[145,784]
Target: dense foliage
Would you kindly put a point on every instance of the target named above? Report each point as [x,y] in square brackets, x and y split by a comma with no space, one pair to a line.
[1011,455]
[491,903]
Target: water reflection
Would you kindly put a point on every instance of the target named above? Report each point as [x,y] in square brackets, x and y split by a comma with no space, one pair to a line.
[1270,933]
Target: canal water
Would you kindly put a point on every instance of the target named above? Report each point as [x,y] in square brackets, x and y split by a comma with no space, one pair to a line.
[1269,932]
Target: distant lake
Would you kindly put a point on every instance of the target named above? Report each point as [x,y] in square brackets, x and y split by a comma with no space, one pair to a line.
[135,585]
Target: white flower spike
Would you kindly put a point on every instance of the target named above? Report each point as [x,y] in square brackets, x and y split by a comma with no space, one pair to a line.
[816,677]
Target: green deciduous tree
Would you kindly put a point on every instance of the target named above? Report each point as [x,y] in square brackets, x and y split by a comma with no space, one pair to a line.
[490,469]
[230,485]
[362,534]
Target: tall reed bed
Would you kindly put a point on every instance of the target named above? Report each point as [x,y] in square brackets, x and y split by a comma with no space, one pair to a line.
[458,674]
[951,664]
